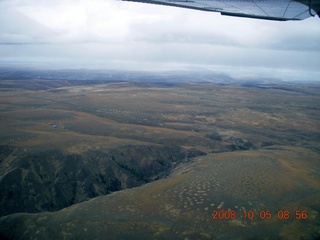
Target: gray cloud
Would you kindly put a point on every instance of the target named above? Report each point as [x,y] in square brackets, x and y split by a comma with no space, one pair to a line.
[17,28]
[113,32]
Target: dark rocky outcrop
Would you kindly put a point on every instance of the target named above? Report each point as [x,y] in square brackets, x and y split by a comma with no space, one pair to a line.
[240,144]
[51,180]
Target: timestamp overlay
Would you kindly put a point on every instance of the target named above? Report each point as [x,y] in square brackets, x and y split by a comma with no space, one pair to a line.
[265,214]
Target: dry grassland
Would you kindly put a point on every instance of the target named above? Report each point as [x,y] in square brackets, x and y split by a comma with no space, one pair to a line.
[261,146]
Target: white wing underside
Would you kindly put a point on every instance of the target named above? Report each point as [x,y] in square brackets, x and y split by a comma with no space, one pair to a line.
[263,9]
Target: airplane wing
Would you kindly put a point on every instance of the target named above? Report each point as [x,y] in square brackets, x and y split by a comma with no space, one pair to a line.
[280,10]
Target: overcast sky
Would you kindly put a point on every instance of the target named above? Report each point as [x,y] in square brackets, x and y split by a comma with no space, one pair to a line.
[113,34]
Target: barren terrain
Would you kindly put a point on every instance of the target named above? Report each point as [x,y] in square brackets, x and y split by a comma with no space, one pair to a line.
[69,147]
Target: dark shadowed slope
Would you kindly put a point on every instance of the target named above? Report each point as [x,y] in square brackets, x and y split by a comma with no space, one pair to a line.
[181,206]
